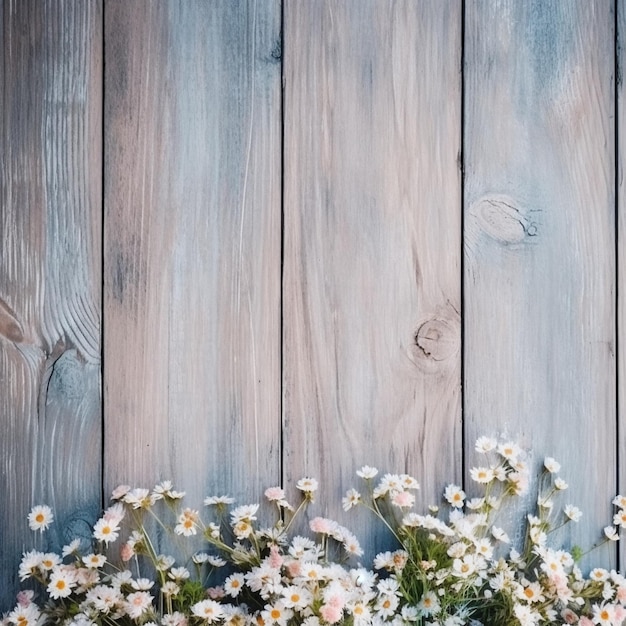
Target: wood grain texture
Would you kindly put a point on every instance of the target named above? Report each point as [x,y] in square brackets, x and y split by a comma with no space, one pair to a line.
[539,315]
[621,255]
[372,243]
[50,272]
[192,245]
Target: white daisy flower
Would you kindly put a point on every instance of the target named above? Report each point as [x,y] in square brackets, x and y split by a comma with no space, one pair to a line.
[499,535]
[619,501]
[94,561]
[551,465]
[509,450]
[187,523]
[234,584]
[49,561]
[139,498]
[572,512]
[454,495]
[218,500]
[351,499]
[179,573]
[429,604]
[367,472]
[485,444]
[619,519]
[62,581]
[308,485]
[276,613]
[245,512]
[170,588]
[138,603]
[40,517]
[142,584]
[25,615]
[295,597]
[71,548]
[482,475]
[105,530]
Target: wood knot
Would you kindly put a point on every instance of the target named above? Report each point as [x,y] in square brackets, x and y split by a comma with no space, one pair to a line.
[10,326]
[437,339]
[502,220]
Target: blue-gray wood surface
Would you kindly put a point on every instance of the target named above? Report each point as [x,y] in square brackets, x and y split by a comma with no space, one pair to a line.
[247,241]
[50,272]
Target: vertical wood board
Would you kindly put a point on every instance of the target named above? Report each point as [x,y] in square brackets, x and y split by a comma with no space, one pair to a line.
[192,245]
[50,273]
[372,244]
[620,113]
[539,316]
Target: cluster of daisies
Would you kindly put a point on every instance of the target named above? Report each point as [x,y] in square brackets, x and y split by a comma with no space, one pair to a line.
[458,567]
[266,575]
[452,565]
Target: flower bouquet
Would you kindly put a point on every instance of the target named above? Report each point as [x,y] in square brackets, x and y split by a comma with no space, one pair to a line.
[265,575]
[452,566]
[461,570]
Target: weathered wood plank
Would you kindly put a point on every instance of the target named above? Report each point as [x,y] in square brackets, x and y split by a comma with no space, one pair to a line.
[192,245]
[621,255]
[50,272]
[372,242]
[539,315]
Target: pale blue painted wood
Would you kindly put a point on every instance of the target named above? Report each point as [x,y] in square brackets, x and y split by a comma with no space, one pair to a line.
[50,273]
[192,246]
[621,255]
[539,315]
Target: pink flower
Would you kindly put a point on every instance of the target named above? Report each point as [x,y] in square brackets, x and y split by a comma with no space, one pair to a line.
[24,598]
[275,493]
[114,513]
[120,491]
[294,569]
[276,559]
[126,552]
[336,600]
[322,525]
[215,593]
[403,499]
[585,621]
[331,614]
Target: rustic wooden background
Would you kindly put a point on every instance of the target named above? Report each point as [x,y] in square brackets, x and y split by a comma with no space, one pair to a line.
[246,241]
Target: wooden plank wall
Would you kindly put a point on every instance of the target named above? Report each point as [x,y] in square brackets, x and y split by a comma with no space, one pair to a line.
[372,242]
[50,271]
[238,246]
[539,239]
[192,259]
